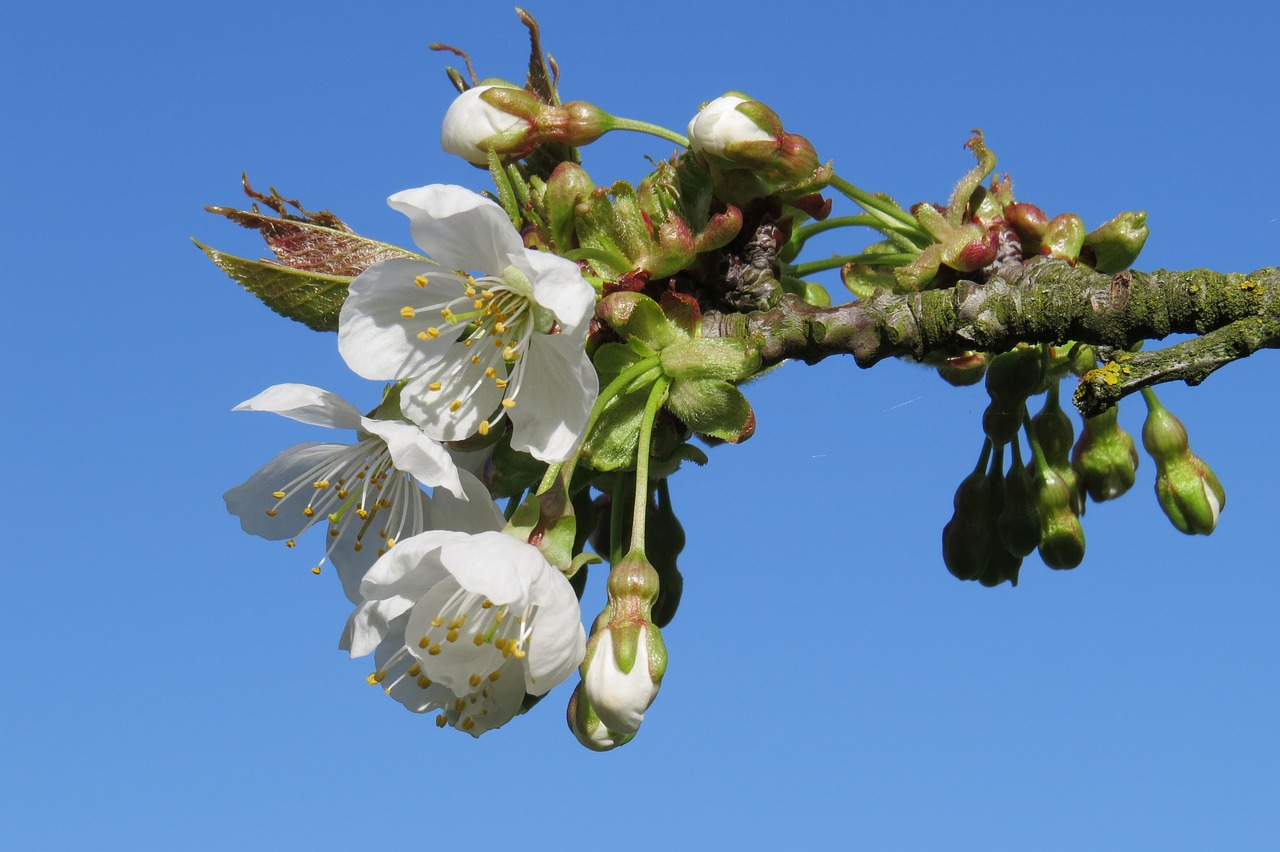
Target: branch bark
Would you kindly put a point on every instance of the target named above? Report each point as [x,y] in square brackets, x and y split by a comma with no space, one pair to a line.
[1048,301]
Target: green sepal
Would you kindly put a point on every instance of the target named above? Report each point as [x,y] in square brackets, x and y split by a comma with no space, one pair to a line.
[712,407]
[612,359]
[568,185]
[547,522]
[956,207]
[649,324]
[612,442]
[582,560]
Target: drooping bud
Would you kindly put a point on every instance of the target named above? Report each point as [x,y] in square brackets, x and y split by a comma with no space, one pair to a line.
[1188,490]
[1105,458]
[1061,536]
[967,539]
[587,727]
[1055,435]
[1019,523]
[1001,564]
[1011,377]
[626,657]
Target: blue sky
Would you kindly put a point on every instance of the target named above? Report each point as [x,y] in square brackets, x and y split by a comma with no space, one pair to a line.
[172,683]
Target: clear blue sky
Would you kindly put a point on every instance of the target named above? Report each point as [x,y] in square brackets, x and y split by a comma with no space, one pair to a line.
[171,683]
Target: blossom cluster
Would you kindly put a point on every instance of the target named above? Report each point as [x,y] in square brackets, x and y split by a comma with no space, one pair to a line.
[462,618]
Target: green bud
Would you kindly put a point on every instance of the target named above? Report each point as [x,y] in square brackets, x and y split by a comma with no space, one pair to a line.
[1019,523]
[1190,494]
[1061,536]
[1105,458]
[567,186]
[711,358]
[1001,564]
[1055,434]
[1063,237]
[1116,244]
[1016,374]
[967,538]
[1163,435]
[964,370]
[1001,420]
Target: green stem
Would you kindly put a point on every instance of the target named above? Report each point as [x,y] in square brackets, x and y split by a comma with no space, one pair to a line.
[651,129]
[1036,452]
[874,205]
[657,396]
[618,386]
[804,232]
[873,258]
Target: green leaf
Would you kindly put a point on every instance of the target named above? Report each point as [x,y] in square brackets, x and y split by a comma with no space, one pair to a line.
[308,297]
[316,257]
[611,445]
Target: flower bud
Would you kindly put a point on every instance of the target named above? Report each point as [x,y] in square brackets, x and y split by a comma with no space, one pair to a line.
[1190,494]
[1061,536]
[1115,245]
[1063,237]
[733,132]
[1028,222]
[1019,523]
[1105,458]
[622,673]
[964,370]
[588,728]
[1055,434]
[967,539]
[473,124]
[1187,488]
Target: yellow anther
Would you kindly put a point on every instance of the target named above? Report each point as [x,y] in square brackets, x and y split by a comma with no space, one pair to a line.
[455,405]
[519,654]
[460,704]
[433,650]
[414,670]
[343,493]
[451,636]
[499,326]
[433,332]
[441,721]
[438,621]
[408,312]
[375,678]
[478,639]
[467,342]
[358,547]
[493,676]
[475,359]
[309,512]
[508,403]
[424,681]
[478,304]
[320,484]
[486,605]
[490,372]
[498,343]
[333,531]
[501,383]
[435,386]
[279,495]
[424,641]
[290,543]
[470,291]
[422,335]
[486,294]
[316,570]
[510,354]
[271,513]
[362,513]
[483,428]
[499,615]
[391,542]
[474,680]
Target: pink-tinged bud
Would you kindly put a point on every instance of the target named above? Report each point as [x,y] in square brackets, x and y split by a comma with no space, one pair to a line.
[1028,222]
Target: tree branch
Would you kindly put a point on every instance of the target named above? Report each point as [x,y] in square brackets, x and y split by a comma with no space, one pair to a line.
[1047,301]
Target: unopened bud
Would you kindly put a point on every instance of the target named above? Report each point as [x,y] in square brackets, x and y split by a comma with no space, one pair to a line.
[473,125]
[1105,458]
[588,728]
[1116,244]
[1028,222]
[1190,494]
[733,132]
[1063,237]
[1061,536]
[622,672]
[1019,524]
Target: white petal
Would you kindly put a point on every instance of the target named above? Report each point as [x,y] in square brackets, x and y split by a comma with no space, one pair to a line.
[558,642]
[458,228]
[495,565]
[556,394]
[396,680]
[460,381]
[375,339]
[475,512]
[353,563]
[254,498]
[410,568]
[368,625]
[306,404]
[559,287]
[416,454]
[619,699]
